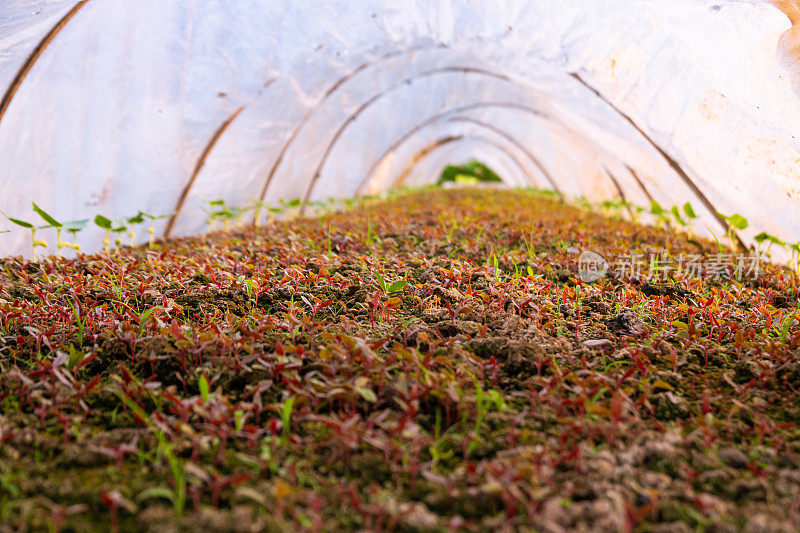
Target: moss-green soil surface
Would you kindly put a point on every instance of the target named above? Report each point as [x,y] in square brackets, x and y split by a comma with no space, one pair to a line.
[430,362]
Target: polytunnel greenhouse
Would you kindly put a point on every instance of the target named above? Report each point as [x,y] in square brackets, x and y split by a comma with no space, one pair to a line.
[413,265]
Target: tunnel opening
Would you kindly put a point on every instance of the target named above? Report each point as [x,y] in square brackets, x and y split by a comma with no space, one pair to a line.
[471,173]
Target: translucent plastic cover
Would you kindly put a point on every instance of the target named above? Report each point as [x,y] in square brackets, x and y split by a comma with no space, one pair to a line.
[113,106]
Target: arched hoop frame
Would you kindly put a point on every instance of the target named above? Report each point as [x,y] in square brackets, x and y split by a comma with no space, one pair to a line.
[48,38]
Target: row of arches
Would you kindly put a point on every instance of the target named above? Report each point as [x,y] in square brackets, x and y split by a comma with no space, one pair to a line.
[308,121]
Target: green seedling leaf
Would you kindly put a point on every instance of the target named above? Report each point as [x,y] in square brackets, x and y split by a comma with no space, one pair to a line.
[736,220]
[156,217]
[145,316]
[103,222]
[19,222]
[786,325]
[687,208]
[381,282]
[136,219]
[656,209]
[367,394]
[75,357]
[156,492]
[763,236]
[203,385]
[46,216]
[75,226]
[677,215]
[397,285]
[118,225]
[286,416]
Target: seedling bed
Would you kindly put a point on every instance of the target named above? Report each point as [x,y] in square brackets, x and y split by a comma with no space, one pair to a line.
[428,362]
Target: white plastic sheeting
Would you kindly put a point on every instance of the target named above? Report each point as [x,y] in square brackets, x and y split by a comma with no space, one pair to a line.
[113,106]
